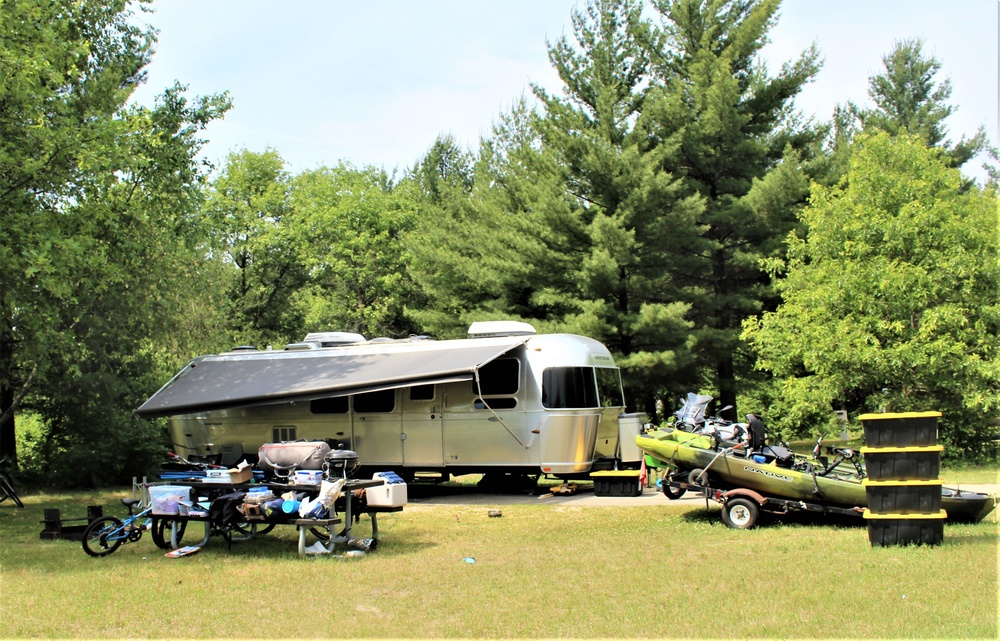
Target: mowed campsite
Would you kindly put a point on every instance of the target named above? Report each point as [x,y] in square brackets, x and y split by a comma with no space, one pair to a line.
[549,567]
[267,258]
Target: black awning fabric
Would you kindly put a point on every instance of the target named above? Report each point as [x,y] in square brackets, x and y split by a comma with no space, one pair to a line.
[238,380]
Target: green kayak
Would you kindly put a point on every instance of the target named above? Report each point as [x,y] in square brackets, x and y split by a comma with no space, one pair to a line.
[777,472]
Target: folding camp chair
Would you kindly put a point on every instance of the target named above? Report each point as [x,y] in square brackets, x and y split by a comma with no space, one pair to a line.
[7,491]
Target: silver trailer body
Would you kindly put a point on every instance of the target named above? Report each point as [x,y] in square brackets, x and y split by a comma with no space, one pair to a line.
[503,400]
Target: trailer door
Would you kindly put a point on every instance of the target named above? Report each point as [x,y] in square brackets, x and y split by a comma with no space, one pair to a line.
[423,431]
[378,434]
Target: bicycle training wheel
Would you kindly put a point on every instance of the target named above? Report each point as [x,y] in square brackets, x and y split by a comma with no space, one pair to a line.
[103,536]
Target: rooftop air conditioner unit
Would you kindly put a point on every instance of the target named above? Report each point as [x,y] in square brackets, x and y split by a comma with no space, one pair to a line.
[332,339]
[489,329]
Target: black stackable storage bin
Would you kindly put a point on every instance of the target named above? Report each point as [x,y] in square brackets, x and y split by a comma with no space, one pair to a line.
[913,429]
[903,497]
[926,529]
[617,483]
[903,463]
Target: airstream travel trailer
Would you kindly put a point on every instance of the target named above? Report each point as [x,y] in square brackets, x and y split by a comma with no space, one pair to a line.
[503,400]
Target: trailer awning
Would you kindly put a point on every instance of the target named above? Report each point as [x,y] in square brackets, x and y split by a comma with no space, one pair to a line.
[261,378]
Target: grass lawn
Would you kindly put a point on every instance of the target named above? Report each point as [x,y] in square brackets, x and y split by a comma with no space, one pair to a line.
[540,570]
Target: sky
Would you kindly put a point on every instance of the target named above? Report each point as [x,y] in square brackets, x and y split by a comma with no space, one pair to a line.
[376,82]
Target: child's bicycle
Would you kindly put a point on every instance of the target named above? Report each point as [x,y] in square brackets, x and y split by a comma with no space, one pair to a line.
[106,534]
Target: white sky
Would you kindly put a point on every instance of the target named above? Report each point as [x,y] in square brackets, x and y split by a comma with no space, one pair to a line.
[374,83]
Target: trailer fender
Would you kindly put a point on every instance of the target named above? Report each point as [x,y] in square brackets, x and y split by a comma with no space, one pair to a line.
[746,493]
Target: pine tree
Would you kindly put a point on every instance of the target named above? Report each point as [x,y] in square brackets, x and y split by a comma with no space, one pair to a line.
[908,97]
[724,127]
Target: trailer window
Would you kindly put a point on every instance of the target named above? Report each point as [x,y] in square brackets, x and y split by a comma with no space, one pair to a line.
[375,402]
[280,434]
[569,387]
[501,376]
[609,387]
[422,393]
[333,405]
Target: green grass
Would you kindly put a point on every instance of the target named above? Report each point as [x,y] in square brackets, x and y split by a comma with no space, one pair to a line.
[971,474]
[541,570]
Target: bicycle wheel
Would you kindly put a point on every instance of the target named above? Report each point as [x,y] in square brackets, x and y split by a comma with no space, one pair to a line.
[246,530]
[260,529]
[161,531]
[321,533]
[103,536]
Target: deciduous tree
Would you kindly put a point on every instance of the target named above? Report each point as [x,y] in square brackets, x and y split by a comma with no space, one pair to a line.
[98,231]
[348,223]
[890,300]
[249,206]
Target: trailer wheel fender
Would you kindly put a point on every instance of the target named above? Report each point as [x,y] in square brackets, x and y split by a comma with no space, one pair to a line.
[759,499]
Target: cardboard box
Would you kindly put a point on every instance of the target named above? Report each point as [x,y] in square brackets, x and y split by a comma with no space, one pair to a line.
[240,475]
[231,476]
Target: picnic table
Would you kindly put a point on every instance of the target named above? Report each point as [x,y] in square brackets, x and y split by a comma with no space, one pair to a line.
[213,490]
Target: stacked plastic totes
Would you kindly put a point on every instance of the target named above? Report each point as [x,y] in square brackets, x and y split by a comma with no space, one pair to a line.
[903,488]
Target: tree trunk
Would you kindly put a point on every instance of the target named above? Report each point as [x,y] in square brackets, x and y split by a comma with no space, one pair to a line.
[8,440]
[8,395]
[727,386]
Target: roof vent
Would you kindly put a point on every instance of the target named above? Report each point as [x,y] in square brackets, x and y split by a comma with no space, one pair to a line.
[332,339]
[305,345]
[488,329]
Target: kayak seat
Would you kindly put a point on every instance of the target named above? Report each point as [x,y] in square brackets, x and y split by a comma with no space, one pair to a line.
[783,457]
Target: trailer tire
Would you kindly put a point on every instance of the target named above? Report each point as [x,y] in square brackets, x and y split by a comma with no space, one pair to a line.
[673,493]
[740,513]
[698,476]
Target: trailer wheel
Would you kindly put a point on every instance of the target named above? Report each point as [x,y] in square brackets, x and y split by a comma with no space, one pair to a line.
[740,513]
[673,493]
[698,476]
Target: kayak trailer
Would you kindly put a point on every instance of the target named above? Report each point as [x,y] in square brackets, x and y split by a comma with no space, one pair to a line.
[741,507]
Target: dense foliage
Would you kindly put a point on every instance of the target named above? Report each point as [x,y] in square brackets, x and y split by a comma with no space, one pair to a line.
[668,198]
[99,233]
[890,301]
[635,207]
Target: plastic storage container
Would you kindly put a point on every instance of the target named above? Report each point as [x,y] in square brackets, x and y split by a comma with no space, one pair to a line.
[905,529]
[903,497]
[164,499]
[617,483]
[903,463]
[308,477]
[909,429]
